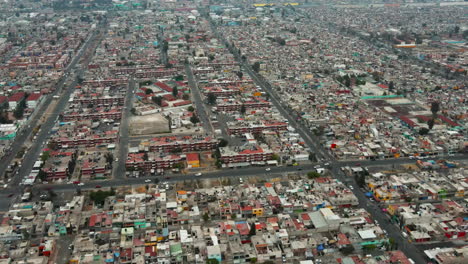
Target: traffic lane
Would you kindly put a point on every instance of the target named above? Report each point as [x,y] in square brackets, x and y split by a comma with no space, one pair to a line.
[392,231]
[19,141]
[201,111]
[246,172]
[119,165]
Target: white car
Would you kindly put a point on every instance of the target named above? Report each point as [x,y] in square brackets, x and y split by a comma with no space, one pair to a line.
[148,180]
[198,174]
[80,184]
[268,169]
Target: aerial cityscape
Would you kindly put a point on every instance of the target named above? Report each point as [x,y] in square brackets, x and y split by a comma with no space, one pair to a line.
[223,131]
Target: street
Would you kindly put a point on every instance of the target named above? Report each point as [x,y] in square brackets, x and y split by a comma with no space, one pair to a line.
[200,107]
[118,167]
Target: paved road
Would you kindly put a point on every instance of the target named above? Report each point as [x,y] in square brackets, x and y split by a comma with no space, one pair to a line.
[409,249]
[26,131]
[36,149]
[122,150]
[204,117]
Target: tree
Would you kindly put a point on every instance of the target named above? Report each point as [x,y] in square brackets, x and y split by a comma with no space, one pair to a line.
[211,98]
[222,143]
[391,86]
[100,196]
[256,66]
[19,111]
[190,109]
[42,175]
[148,91]
[456,30]
[313,174]
[212,261]
[360,180]
[430,123]
[253,260]
[206,217]
[211,57]
[145,156]
[252,231]
[175,92]
[349,249]
[242,109]
[109,157]
[45,155]
[240,74]
[194,119]
[133,111]
[423,131]
[157,100]
[435,107]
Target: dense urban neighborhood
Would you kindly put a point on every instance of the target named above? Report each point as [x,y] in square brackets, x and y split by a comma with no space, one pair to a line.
[209,131]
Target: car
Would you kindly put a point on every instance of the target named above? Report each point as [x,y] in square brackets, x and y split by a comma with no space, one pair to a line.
[148,180]
[299,169]
[357,164]
[98,186]
[44,182]
[167,177]
[70,182]
[80,184]
[76,182]
[351,187]
[327,164]
[268,169]
[198,174]
[412,157]
[11,195]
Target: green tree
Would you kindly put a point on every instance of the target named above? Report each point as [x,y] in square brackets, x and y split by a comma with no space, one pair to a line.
[190,109]
[212,261]
[313,175]
[423,131]
[252,231]
[430,123]
[206,217]
[157,100]
[100,196]
[148,91]
[435,107]
[42,175]
[222,143]
[45,155]
[194,119]
[211,98]
[175,92]
[256,66]
[242,109]
[391,86]
[349,249]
